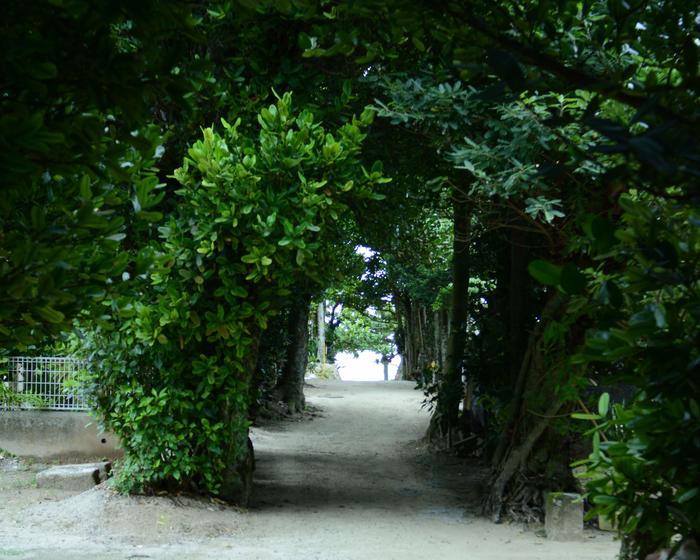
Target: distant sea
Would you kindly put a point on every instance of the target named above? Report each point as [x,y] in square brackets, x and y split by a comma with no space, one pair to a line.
[366,367]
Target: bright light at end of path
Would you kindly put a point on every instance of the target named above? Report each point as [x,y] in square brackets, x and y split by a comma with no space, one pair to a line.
[365,367]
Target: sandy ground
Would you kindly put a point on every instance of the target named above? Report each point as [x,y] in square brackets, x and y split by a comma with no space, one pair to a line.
[353,483]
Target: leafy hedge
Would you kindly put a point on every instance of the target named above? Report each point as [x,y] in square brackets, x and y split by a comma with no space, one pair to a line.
[176,374]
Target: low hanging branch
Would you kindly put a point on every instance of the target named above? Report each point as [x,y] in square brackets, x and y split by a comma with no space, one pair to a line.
[575,77]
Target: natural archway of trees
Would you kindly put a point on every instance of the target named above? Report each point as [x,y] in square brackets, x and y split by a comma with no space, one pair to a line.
[503,193]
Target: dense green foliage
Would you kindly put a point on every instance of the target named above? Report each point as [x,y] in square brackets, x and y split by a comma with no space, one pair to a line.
[539,238]
[645,474]
[370,330]
[174,379]
[78,81]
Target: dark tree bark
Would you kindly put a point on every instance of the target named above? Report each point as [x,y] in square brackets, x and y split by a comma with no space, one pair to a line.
[519,294]
[331,327]
[452,380]
[291,384]
[444,319]
[400,337]
[524,429]
[238,477]
[409,348]
[515,459]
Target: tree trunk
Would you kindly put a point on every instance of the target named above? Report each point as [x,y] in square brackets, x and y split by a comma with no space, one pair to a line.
[239,456]
[291,384]
[400,337]
[515,459]
[333,323]
[519,294]
[410,351]
[321,320]
[238,477]
[525,426]
[436,339]
[452,377]
[528,369]
[417,340]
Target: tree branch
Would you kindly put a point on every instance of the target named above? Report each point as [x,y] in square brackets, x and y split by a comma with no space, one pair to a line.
[577,77]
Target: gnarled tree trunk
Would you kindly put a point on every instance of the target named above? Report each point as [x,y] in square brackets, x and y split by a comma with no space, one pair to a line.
[525,426]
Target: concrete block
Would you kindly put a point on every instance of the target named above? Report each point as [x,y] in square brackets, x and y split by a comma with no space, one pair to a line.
[580,478]
[55,435]
[605,523]
[563,516]
[74,477]
[104,468]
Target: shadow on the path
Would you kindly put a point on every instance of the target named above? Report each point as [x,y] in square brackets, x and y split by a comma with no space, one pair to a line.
[316,481]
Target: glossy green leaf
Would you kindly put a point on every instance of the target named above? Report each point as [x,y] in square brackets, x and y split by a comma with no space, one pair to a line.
[545,272]
[572,280]
[604,404]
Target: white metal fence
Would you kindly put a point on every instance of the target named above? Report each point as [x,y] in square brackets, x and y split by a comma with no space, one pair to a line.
[44,382]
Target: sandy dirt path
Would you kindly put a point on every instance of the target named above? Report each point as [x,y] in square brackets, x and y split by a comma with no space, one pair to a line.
[354,483]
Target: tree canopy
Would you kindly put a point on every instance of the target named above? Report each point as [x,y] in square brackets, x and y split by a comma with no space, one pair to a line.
[523,176]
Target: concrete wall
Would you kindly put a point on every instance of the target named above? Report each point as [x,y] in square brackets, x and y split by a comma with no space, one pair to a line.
[51,434]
